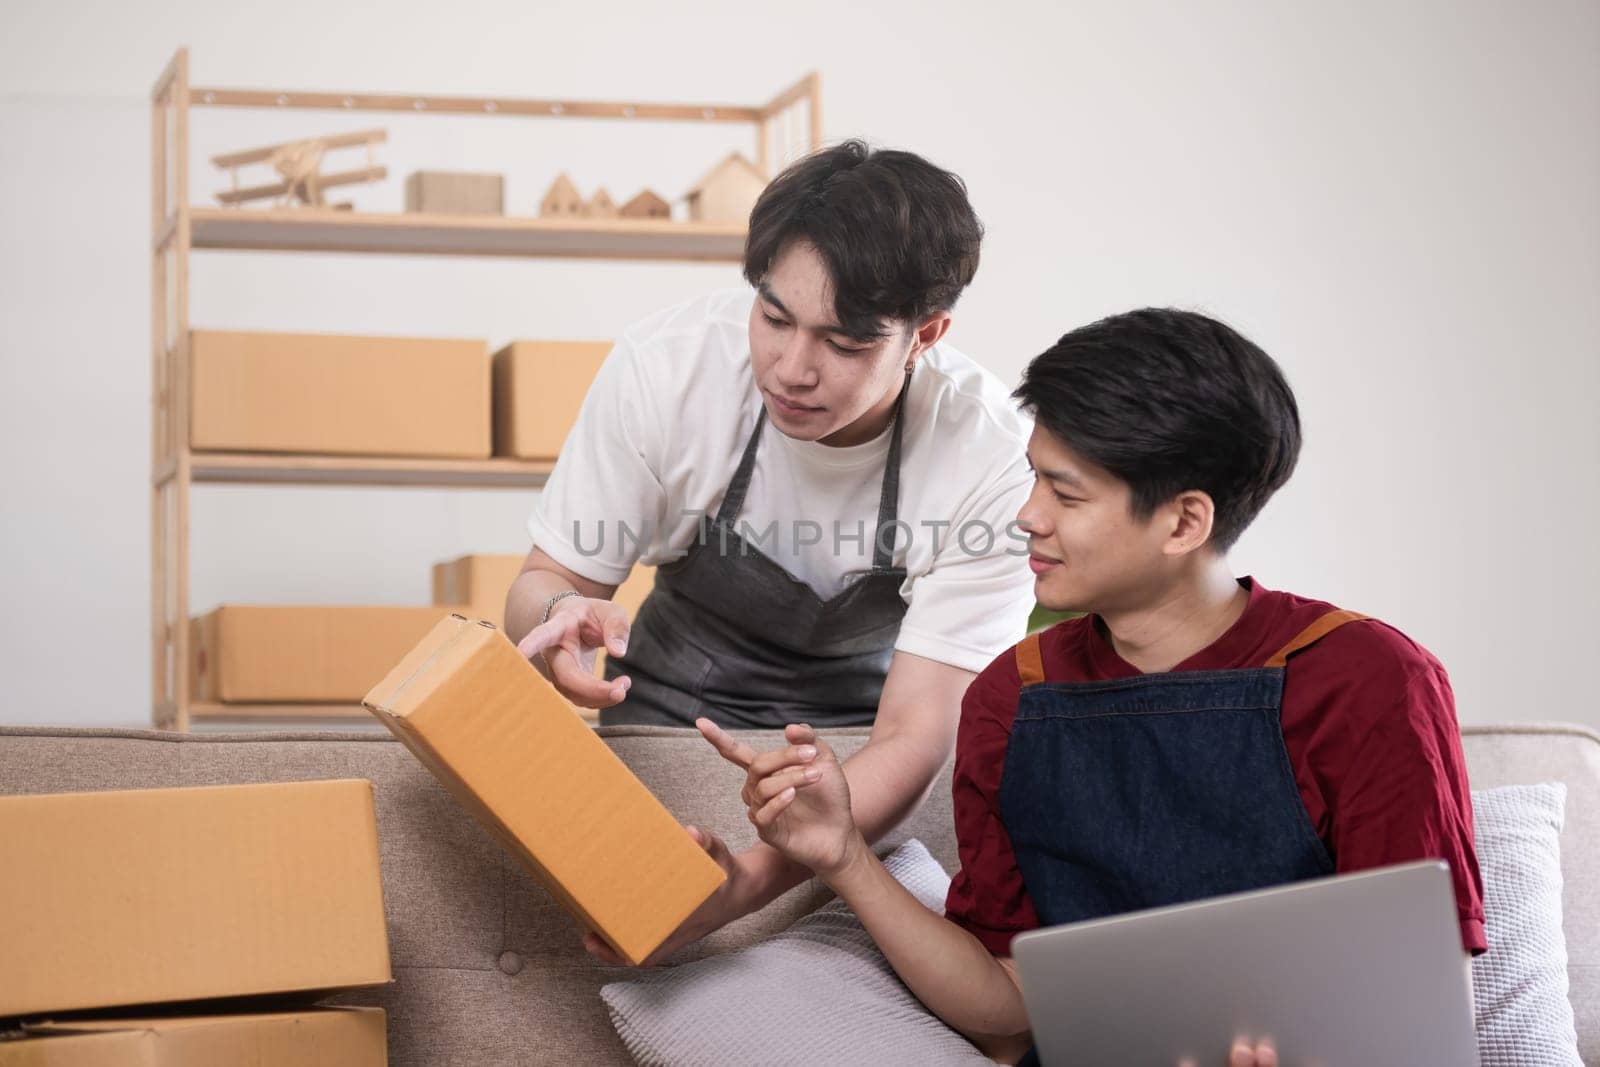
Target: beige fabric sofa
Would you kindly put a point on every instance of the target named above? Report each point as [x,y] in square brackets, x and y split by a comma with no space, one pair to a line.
[488,970]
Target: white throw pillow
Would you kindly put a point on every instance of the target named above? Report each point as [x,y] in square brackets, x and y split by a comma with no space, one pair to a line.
[1519,986]
[820,992]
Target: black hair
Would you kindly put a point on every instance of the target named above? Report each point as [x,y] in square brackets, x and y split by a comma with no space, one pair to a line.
[1169,401]
[897,233]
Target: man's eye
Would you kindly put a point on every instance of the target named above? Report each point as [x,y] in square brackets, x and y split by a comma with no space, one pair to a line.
[1062,498]
[846,349]
[772,321]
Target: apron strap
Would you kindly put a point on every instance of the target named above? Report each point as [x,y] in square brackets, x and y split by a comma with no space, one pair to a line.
[1312,634]
[889,498]
[1030,664]
[733,499]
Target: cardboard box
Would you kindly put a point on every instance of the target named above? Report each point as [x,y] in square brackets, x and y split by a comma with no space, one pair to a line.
[479,582]
[338,395]
[516,755]
[329,655]
[538,388]
[441,192]
[143,896]
[312,1037]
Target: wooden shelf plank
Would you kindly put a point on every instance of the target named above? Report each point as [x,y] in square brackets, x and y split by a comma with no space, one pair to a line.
[201,96]
[250,467]
[319,230]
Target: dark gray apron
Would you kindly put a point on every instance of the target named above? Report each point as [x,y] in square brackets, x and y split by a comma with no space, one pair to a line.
[728,634]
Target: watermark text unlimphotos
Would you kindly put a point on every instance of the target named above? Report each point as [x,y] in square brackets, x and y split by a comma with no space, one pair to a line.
[974,538]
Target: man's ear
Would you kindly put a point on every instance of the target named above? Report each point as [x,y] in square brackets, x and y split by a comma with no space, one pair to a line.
[1193,513]
[928,334]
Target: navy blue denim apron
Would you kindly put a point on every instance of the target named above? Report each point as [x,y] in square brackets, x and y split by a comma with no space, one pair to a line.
[1154,790]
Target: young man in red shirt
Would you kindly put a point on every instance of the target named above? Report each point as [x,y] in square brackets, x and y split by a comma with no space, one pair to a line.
[1195,734]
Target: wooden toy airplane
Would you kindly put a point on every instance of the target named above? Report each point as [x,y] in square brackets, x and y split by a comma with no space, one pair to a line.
[299,166]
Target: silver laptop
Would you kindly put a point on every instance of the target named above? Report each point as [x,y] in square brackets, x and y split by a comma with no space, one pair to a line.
[1356,969]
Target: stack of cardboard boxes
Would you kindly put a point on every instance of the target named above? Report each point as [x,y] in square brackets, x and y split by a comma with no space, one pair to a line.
[124,906]
[416,397]
[328,394]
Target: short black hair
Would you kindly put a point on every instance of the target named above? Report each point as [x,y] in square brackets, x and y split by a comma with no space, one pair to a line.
[1170,401]
[897,233]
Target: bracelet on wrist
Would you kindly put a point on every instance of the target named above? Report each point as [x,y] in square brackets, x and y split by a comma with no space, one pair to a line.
[550,605]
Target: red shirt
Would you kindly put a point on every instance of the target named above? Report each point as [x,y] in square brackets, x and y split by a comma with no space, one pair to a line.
[1368,720]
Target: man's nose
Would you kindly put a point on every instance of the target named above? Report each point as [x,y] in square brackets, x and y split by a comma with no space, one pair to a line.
[795,367]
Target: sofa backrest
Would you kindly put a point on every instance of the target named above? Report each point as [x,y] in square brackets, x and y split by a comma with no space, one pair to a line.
[1528,754]
[489,970]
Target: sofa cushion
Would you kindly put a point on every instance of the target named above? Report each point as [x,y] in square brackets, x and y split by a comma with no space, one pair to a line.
[1520,1003]
[819,992]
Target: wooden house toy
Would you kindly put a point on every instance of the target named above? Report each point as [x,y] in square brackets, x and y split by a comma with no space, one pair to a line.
[600,205]
[728,192]
[647,205]
[562,199]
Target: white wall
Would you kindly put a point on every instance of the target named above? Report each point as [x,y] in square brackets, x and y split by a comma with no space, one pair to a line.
[1400,201]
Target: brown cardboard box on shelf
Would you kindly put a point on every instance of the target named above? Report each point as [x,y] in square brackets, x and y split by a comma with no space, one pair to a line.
[441,192]
[145,896]
[481,582]
[244,653]
[515,754]
[307,1037]
[538,388]
[339,395]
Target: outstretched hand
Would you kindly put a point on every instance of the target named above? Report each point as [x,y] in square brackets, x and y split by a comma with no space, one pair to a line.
[568,642]
[797,797]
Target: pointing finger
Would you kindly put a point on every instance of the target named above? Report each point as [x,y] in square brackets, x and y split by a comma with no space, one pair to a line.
[735,752]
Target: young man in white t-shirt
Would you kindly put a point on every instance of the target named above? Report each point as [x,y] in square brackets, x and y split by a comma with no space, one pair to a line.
[808,570]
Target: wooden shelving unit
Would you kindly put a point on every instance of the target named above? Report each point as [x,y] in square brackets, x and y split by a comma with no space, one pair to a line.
[785,127]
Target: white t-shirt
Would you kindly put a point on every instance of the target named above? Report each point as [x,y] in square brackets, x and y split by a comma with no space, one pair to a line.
[666,421]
